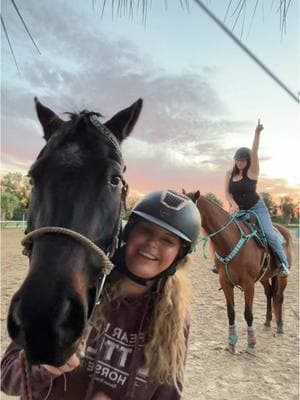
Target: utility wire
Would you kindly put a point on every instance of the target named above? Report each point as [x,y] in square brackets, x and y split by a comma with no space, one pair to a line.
[9,43]
[246,50]
[25,26]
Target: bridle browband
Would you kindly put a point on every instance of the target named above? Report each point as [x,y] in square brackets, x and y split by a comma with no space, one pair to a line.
[106,133]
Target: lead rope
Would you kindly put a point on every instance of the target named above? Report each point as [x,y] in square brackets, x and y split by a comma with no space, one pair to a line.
[26,376]
[26,379]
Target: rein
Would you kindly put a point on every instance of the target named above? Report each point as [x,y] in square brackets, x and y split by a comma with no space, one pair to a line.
[206,238]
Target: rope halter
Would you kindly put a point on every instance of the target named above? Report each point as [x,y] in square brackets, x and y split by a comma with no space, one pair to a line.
[106,264]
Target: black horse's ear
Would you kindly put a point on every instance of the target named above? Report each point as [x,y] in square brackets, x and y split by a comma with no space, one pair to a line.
[124,121]
[48,119]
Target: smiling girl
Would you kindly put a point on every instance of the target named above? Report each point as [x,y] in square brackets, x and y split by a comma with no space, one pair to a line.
[137,346]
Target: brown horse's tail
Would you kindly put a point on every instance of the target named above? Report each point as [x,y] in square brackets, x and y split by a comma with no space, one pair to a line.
[288,241]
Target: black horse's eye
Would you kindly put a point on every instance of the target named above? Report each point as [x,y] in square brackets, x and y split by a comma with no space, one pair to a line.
[31,182]
[115,180]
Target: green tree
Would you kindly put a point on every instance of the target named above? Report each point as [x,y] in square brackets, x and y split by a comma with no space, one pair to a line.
[15,185]
[296,218]
[275,210]
[9,202]
[212,197]
[271,206]
[287,208]
[130,203]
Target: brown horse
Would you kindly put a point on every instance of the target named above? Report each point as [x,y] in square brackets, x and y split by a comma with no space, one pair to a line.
[250,263]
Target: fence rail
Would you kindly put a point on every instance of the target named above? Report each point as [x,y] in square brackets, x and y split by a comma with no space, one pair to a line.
[13,224]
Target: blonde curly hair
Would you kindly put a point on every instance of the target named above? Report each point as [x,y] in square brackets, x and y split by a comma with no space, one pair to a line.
[166,335]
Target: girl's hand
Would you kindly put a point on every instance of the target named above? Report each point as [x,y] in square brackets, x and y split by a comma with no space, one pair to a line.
[233,208]
[71,364]
[259,127]
[101,396]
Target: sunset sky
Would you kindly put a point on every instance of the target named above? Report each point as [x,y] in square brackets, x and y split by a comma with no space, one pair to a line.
[202,95]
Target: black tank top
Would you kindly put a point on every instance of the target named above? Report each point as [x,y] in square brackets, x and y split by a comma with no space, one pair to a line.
[244,192]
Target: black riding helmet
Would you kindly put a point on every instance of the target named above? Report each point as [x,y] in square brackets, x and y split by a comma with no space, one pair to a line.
[172,211]
[243,153]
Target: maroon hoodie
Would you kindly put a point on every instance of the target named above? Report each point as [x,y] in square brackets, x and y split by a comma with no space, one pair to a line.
[113,364]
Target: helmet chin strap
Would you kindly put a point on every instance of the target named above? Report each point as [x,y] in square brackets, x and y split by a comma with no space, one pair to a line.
[143,281]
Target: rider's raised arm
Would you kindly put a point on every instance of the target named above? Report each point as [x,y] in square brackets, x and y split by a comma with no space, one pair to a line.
[254,166]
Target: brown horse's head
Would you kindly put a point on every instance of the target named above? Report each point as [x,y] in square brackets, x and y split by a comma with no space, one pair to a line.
[212,214]
[194,196]
[77,184]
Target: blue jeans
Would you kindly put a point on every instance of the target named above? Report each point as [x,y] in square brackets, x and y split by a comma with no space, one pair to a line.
[272,236]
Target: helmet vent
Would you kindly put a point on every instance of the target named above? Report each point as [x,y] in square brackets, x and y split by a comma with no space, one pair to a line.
[172,200]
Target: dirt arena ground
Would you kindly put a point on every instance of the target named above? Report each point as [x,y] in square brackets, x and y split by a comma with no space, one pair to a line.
[212,373]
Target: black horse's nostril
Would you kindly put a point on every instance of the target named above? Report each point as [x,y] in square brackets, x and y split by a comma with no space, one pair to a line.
[14,325]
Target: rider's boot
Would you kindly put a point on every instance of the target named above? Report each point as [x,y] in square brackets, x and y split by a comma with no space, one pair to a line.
[283,271]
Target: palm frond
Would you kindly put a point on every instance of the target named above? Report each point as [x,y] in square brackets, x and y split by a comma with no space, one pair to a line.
[237,8]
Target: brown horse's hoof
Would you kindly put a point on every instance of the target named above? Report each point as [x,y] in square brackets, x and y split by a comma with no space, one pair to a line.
[267,324]
[230,348]
[280,330]
[251,350]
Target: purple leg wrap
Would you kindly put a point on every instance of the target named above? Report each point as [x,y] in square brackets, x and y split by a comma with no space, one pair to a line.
[251,337]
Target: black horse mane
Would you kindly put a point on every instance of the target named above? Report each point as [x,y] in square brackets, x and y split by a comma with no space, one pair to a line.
[84,113]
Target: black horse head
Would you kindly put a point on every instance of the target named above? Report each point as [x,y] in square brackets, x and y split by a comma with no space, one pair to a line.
[77,184]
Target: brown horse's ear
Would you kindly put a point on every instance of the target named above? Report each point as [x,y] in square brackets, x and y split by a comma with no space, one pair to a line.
[184,191]
[197,195]
[124,121]
[48,119]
